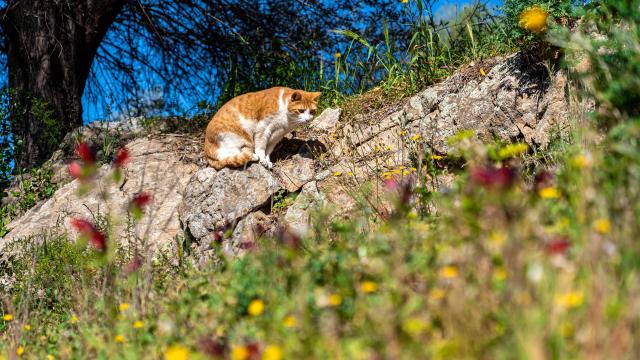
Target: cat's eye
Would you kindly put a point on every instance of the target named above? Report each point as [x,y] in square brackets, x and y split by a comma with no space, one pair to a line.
[312,111]
[301,111]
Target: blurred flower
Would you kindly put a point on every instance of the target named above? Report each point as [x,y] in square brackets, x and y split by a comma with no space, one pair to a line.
[549,193]
[570,300]
[138,203]
[211,347]
[272,352]
[138,324]
[123,307]
[120,339]
[416,137]
[89,231]
[535,272]
[436,294]
[405,1]
[20,351]
[499,273]
[534,19]
[437,157]
[402,133]
[122,157]
[350,173]
[73,319]
[337,55]
[239,353]
[581,161]
[26,327]
[51,357]
[497,238]
[602,225]
[75,169]
[335,299]
[256,307]
[7,317]
[133,265]
[290,321]
[493,178]
[337,173]
[448,272]
[482,72]
[543,179]
[414,326]
[368,287]
[176,352]
[85,153]
[558,245]
[513,150]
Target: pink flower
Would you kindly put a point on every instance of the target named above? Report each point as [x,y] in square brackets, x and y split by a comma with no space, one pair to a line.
[493,178]
[75,169]
[86,154]
[559,245]
[122,157]
[88,230]
[133,265]
[141,200]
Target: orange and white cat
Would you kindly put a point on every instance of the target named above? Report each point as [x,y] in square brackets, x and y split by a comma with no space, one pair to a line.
[249,126]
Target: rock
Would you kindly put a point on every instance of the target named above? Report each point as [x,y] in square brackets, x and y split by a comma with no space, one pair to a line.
[298,215]
[326,121]
[154,167]
[247,233]
[294,172]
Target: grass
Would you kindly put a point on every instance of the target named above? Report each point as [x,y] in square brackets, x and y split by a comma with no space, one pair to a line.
[524,255]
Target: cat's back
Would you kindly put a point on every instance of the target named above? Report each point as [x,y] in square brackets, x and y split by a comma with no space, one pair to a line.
[254,105]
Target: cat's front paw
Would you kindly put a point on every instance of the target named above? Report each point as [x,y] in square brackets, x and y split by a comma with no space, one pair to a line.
[266,162]
[255,157]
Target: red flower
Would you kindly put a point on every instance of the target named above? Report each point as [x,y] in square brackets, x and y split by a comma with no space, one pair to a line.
[493,178]
[75,169]
[559,245]
[122,157]
[86,154]
[141,200]
[133,265]
[542,180]
[88,230]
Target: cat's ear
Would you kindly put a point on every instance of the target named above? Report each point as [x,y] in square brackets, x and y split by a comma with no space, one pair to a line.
[315,96]
[296,96]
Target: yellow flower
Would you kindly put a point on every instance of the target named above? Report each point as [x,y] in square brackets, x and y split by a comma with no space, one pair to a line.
[120,338]
[412,215]
[239,353]
[290,321]
[581,161]
[401,167]
[402,133]
[448,272]
[337,173]
[377,149]
[436,294]
[413,169]
[416,137]
[406,172]
[405,1]
[482,72]
[123,307]
[388,148]
[436,157]
[138,324]
[368,287]
[570,300]
[7,317]
[387,174]
[20,351]
[350,173]
[256,308]
[176,352]
[26,327]
[414,326]
[335,299]
[497,238]
[272,352]
[534,19]
[513,150]
[397,172]
[337,55]
[549,193]
[73,319]
[603,226]
[51,357]
[499,273]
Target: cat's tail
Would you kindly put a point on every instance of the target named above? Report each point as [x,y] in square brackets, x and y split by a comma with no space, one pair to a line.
[237,160]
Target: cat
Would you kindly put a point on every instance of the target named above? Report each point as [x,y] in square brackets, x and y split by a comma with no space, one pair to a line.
[249,126]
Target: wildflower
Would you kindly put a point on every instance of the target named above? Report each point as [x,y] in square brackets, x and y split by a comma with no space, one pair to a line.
[20,350]
[337,55]
[138,324]
[414,326]
[51,357]
[272,352]
[448,272]
[497,238]
[558,245]
[412,215]
[581,161]
[89,231]
[534,19]
[436,157]
[499,273]
[543,179]
[549,193]
[75,169]
[436,294]
[290,321]
[603,226]
[176,352]
[239,353]
[368,287]
[335,299]
[402,133]
[493,178]
[513,150]
[350,173]
[138,203]
[405,1]
[123,307]
[570,300]
[396,171]
[26,327]
[482,72]
[413,169]
[7,317]
[73,319]
[120,339]
[256,307]
[416,137]
[85,153]
[337,173]
[377,149]
[406,172]
[122,157]
[211,347]
[133,265]
[388,148]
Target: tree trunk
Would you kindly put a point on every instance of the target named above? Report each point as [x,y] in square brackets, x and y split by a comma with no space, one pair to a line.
[50,48]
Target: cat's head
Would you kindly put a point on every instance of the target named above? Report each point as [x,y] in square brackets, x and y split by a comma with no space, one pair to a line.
[303,105]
